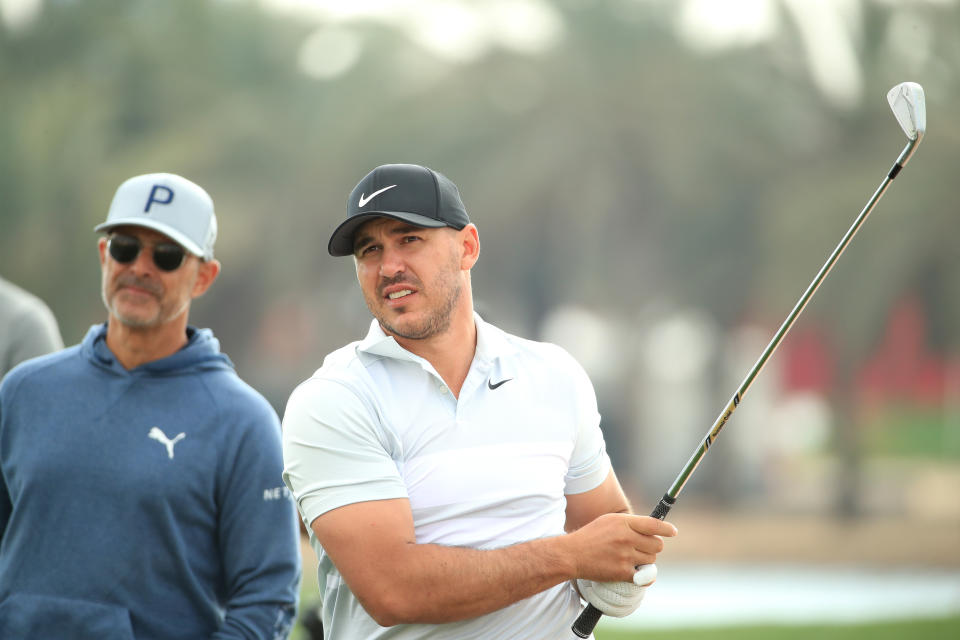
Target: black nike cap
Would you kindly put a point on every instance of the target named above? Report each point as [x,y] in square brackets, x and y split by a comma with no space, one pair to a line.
[409,192]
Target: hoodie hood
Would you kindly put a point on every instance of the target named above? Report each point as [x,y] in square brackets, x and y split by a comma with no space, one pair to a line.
[202,352]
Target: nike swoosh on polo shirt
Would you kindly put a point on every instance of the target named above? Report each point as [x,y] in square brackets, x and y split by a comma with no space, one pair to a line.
[494,386]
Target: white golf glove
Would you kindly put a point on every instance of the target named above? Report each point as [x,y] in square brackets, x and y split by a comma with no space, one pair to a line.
[618,599]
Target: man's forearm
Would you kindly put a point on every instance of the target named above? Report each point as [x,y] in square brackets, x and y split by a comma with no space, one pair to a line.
[445,584]
[399,581]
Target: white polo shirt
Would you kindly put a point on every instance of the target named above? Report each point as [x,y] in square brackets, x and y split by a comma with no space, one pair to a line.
[485,470]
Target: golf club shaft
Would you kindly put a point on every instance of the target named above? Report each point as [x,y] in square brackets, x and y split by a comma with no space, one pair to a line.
[584,624]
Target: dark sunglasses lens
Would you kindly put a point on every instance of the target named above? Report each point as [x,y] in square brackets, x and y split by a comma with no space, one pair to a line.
[168,257]
[124,249]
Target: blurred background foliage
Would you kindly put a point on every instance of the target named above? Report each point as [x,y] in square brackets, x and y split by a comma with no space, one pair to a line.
[655,184]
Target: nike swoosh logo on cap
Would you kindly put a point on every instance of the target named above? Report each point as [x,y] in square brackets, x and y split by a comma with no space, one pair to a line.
[364,200]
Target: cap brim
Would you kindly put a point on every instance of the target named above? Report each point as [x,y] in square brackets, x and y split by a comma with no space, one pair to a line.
[341,241]
[166,230]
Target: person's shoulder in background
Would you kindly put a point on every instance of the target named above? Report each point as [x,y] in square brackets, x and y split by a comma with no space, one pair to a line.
[28,327]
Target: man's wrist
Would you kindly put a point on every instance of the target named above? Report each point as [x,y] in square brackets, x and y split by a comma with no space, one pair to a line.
[558,556]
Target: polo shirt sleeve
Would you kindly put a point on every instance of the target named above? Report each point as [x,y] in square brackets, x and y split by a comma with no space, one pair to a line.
[335,450]
[589,463]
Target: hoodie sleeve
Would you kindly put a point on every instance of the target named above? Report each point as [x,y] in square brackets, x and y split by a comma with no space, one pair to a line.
[259,534]
[6,506]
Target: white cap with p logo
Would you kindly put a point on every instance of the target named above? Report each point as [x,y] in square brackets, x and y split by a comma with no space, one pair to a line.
[167,203]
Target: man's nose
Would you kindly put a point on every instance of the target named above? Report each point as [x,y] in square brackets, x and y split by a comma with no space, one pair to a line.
[392,263]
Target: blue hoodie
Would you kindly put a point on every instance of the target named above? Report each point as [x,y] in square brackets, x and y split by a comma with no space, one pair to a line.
[142,504]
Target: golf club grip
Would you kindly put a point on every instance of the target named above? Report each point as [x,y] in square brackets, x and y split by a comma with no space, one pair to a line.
[586,621]
[663,507]
[589,617]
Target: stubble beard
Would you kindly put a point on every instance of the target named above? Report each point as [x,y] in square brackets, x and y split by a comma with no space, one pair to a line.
[437,320]
[137,321]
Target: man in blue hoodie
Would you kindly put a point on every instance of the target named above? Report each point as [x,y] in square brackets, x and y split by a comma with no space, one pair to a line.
[140,478]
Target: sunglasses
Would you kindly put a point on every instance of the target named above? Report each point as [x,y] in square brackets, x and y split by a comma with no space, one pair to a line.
[168,256]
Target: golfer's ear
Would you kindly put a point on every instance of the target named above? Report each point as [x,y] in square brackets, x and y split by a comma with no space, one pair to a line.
[470,244]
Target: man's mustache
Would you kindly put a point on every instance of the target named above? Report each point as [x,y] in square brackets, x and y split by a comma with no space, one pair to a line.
[150,286]
[400,278]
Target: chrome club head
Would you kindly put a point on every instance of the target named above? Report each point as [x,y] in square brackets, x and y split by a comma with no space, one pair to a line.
[908,104]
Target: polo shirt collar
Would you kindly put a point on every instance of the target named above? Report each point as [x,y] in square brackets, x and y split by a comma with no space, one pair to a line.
[492,342]
[378,343]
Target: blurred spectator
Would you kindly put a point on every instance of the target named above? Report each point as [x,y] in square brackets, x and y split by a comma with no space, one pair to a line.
[27,327]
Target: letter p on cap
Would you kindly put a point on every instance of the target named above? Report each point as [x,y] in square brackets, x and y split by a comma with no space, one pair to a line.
[151,199]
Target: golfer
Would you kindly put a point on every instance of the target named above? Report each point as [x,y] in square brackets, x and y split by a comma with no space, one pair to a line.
[453,477]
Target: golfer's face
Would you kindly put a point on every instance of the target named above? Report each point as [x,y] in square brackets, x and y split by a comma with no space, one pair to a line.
[410,276]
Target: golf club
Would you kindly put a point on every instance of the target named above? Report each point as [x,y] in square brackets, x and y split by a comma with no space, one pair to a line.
[907,101]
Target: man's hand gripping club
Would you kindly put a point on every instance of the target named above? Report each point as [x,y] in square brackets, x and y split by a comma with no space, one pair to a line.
[617,572]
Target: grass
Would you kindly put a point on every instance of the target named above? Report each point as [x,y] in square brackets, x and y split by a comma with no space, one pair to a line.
[937,629]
